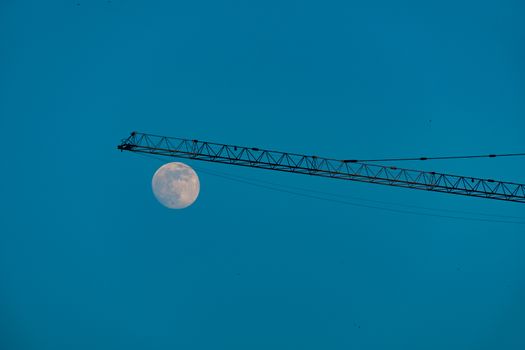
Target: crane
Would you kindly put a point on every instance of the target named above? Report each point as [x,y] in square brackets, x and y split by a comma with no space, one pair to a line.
[346,169]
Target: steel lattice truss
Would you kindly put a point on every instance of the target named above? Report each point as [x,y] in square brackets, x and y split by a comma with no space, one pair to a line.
[313,165]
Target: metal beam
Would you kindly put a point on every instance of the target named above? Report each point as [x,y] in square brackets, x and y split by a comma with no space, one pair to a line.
[325,167]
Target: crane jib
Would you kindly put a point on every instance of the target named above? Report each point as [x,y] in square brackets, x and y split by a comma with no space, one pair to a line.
[325,167]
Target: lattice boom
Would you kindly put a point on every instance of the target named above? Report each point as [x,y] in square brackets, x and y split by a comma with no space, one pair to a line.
[326,167]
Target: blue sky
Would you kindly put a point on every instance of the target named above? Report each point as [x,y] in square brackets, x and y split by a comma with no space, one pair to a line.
[89,259]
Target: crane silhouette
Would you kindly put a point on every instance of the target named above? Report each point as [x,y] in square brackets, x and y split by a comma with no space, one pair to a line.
[346,169]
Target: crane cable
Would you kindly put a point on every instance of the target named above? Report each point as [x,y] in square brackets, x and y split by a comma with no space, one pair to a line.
[320,195]
[436,158]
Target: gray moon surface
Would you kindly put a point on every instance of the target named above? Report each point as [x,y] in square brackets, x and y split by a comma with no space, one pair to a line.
[175,185]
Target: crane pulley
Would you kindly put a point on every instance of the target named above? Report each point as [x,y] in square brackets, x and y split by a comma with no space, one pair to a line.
[318,166]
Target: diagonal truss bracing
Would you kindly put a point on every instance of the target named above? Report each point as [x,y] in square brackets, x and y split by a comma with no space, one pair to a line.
[326,167]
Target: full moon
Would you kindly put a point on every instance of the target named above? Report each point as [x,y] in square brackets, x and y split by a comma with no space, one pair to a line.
[175,185]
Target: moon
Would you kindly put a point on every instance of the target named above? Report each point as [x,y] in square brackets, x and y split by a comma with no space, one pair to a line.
[175,185]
